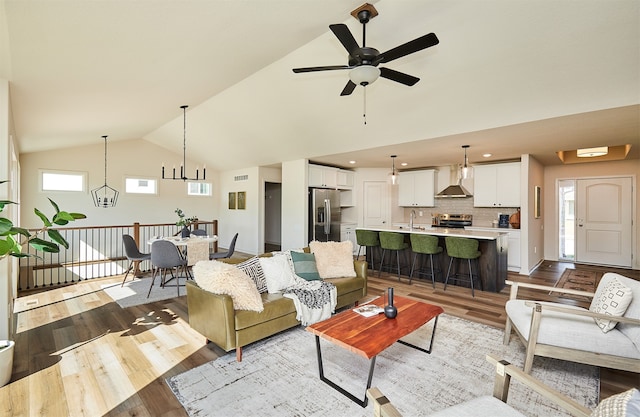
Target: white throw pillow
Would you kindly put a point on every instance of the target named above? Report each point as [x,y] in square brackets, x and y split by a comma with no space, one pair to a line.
[613,300]
[277,272]
[333,259]
[221,278]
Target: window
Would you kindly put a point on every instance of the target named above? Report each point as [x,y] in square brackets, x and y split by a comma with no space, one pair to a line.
[62,181]
[199,188]
[140,185]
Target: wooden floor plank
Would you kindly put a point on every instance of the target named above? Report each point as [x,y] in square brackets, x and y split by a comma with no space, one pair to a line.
[79,353]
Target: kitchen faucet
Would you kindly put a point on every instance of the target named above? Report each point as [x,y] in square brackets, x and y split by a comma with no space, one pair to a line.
[411,217]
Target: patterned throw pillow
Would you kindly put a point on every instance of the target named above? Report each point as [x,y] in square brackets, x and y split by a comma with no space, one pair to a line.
[614,300]
[625,404]
[305,266]
[253,268]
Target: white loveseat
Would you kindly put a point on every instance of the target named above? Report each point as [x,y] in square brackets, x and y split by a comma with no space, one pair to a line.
[570,333]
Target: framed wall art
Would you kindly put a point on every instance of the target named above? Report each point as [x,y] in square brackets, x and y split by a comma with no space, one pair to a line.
[537,202]
[232,201]
[242,200]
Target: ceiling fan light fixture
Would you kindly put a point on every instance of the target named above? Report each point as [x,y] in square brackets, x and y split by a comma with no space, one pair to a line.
[592,152]
[364,74]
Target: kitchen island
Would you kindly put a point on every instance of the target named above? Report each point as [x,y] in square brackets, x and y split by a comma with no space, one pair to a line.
[493,245]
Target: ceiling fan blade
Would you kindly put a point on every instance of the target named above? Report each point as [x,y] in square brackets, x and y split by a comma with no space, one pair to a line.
[325,68]
[410,47]
[348,89]
[345,37]
[399,77]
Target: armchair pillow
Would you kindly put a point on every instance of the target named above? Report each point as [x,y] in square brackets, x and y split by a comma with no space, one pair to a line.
[613,300]
[221,278]
[333,259]
[625,404]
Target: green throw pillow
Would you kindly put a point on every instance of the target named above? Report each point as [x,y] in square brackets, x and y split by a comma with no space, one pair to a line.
[305,265]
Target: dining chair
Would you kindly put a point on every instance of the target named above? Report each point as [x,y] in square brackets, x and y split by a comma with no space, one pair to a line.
[222,255]
[133,254]
[165,256]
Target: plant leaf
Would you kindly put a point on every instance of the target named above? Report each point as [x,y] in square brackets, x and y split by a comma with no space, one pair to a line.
[5,226]
[78,216]
[21,231]
[44,218]
[4,203]
[55,206]
[57,237]
[43,245]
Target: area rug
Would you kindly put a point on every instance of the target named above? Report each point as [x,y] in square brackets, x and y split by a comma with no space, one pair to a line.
[135,292]
[279,376]
[579,279]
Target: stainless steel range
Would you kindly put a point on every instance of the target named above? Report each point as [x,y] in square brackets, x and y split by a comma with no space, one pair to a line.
[455,221]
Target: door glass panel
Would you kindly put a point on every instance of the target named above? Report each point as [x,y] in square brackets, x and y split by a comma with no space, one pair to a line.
[566,217]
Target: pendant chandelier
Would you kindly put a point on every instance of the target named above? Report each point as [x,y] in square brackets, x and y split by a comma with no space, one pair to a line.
[465,171]
[105,196]
[183,165]
[393,175]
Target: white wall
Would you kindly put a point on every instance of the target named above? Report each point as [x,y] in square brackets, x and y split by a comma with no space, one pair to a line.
[295,203]
[132,158]
[532,241]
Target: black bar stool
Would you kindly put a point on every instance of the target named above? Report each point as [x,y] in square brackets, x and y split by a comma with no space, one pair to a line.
[462,248]
[424,245]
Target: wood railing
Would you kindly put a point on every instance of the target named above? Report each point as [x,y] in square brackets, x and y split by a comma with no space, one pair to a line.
[94,252]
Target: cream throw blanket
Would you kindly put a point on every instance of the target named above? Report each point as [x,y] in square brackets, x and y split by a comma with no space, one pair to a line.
[314,300]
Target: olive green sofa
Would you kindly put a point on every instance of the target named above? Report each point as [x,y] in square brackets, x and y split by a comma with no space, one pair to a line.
[213,315]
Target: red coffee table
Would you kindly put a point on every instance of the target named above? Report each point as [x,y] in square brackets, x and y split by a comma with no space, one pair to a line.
[368,336]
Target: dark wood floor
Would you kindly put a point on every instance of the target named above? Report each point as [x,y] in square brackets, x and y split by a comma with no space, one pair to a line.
[78,353]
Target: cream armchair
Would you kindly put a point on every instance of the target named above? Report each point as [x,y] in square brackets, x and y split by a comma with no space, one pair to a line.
[488,405]
[570,333]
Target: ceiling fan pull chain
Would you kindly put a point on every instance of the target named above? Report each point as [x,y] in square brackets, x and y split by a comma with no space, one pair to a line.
[364,114]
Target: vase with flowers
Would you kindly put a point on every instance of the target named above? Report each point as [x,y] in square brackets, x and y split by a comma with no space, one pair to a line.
[184,222]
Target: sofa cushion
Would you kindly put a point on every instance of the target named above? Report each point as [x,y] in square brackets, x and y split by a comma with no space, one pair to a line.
[221,278]
[275,305]
[253,268]
[305,265]
[347,285]
[570,331]
[333,259]
[277,272]
[613,299]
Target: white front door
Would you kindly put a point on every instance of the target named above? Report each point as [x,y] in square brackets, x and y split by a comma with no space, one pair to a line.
[603,220]
[376,204]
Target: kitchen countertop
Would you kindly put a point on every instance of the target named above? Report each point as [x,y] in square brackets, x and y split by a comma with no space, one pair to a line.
[441,231]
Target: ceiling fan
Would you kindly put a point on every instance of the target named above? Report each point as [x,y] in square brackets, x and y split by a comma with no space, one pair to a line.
[363,61]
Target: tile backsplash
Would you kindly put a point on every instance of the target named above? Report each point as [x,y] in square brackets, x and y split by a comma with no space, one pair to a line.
[482,216]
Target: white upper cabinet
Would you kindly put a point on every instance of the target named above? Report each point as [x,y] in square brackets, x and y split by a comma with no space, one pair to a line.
[346,179]
[323,177]
[496,185]
[416,188]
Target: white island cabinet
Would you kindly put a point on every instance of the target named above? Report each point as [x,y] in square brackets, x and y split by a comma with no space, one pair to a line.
[513,259]
[496,185]
[416,188]
[348,232]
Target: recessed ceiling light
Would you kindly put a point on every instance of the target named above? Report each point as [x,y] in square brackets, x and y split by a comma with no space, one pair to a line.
[352,162]
[404,164]
[487,155]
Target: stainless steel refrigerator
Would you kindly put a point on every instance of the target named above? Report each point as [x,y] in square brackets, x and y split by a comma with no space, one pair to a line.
[324,215]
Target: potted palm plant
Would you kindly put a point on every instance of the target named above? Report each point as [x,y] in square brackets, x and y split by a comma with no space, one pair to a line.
[12,239]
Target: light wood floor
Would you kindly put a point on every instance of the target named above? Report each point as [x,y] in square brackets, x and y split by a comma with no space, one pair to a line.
[79,354]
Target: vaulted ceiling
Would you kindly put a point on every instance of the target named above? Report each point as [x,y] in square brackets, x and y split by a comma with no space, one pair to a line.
[508,78]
